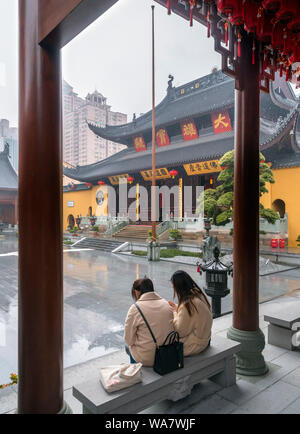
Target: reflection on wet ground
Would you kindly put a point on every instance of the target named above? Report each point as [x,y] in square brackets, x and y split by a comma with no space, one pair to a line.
[97,288]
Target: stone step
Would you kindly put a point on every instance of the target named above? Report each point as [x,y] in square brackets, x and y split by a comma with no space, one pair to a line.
[96,244]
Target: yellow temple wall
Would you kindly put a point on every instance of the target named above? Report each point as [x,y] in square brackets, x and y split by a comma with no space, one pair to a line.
[286,188]
[82,201]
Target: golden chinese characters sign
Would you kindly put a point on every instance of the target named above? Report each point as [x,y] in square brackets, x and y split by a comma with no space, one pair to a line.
[189,130]
[139,144]
[160,174]
[162,138]
[114,180]
[221,122]
[202,167]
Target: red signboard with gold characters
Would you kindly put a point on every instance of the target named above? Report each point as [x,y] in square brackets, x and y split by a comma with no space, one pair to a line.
[189,130]
[139,144]
[162,137]
[221,122]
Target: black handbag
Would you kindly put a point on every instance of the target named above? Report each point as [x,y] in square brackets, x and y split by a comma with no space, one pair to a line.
[169,356]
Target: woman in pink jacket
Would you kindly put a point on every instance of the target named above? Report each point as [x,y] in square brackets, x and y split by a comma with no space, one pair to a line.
[192,317]
[140,344]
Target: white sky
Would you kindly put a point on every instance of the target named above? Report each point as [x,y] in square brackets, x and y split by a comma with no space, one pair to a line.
[114,56]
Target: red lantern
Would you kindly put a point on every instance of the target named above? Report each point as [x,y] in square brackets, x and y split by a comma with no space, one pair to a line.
[236,17]
[225,6]
[274,243]
[281,243]
[271,5]
[286,10]
[252,16]
[294,25]
[101,183]
[88,184]
[173,173]
[130,179]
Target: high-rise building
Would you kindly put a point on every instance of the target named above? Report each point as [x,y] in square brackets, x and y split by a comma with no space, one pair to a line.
[9,135]
[81,146]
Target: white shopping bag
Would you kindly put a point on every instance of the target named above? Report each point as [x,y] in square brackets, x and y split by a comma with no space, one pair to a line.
[118,377]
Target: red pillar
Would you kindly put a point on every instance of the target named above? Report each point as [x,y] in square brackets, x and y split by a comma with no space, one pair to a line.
[40,222]
[246,216]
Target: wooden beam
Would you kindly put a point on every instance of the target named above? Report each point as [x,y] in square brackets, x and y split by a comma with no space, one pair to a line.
[61,21]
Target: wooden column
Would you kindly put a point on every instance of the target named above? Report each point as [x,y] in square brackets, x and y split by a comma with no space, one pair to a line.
[246,216]
[246,194]
[40,222]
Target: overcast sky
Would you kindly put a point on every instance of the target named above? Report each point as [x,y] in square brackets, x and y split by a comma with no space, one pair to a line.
[114,56]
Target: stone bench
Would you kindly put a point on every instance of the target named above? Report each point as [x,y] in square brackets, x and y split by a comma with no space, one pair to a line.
[283,327]
[216,363]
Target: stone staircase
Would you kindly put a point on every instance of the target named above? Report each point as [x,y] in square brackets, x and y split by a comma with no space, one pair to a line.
[98,244]
[134,232]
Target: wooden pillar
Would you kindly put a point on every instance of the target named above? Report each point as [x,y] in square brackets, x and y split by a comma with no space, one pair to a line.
[40,222]
[246,216]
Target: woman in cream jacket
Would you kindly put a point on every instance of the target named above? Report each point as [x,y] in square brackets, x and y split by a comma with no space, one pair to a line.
[158,313]
[193,316]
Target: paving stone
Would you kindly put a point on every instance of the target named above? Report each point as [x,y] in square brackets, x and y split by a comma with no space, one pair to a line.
[240,393]
[73,403]
[293,408]
[293,378]
[272,400]
[213,405]
[8,400]
[199,392]
[272,352]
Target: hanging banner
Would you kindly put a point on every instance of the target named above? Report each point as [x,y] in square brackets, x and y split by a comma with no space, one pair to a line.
[221,122]
[160,174]
[189,130]
[139,144]
[202,167]
[162,138]
[114,180]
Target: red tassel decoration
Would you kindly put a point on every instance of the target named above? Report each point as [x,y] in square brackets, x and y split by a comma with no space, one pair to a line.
[284,40]
[253,52]
[239,45]
[208,23]
[266,60]
[281,69]
[192,5]
[169,6]
[198,269]
[260,19]
[226,33]
[287,73]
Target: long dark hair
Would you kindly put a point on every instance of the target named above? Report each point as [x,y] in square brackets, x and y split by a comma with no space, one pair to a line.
[142,285]
[185,288]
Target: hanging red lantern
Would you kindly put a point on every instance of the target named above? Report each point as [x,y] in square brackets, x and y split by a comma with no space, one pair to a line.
[252,16]
[271,5]
[101,183]
[294,24]
[88,184]
[225,6]
[130,179]
[173,173]
[286,10]
[236,17]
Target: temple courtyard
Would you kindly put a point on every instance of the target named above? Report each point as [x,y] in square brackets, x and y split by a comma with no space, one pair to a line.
[97,296]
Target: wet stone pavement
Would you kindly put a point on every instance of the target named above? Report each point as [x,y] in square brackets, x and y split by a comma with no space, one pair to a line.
[97,289]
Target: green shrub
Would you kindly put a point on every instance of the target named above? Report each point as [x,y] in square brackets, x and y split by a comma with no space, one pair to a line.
[95,228]
[174,234]
[139,253]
